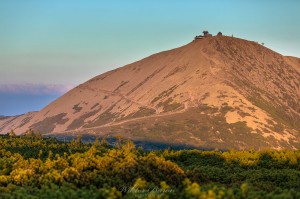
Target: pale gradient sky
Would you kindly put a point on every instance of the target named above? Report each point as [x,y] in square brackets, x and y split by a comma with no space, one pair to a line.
[66,42]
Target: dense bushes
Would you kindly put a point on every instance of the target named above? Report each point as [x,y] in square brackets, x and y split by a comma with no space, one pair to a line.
[36,167]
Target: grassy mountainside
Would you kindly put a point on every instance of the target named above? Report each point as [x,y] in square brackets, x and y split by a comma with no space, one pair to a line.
[247,90]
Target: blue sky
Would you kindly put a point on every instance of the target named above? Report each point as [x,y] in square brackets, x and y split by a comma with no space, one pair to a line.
[62,43]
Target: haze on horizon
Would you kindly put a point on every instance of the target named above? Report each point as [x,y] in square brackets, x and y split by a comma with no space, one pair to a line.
[48,47]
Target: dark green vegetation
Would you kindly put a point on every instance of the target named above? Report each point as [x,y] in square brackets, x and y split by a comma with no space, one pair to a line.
[169,105]
[48,124]
[35,167]
[142,112]
[202,127]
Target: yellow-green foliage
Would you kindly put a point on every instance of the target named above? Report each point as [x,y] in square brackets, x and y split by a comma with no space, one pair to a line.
[246,158]
[284,156]
[36,167]
[243,158]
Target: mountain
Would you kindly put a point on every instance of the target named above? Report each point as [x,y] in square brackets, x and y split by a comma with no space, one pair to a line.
[3,117]
[216,92]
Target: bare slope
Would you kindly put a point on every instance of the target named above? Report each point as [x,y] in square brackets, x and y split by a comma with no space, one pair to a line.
[217,92]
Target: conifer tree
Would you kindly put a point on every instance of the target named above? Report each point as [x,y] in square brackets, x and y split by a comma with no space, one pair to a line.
[38,135]
[104,142]
[78,141]
[12,133]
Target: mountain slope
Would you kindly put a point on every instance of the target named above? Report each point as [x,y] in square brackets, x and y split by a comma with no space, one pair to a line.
[217,92]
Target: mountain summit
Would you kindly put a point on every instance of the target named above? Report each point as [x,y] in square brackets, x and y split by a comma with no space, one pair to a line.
[215,92]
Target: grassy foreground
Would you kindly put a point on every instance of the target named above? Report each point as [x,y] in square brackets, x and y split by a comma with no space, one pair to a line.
[36,167]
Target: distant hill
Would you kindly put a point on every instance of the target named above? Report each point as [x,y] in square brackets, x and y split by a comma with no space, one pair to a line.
[2,117]
[216,92]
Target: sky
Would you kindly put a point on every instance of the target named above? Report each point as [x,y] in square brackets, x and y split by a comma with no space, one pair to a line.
[47,47]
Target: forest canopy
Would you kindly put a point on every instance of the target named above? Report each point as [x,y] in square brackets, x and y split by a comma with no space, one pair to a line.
[35,167]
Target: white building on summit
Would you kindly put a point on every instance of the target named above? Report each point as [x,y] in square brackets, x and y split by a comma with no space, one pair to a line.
[206,34]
